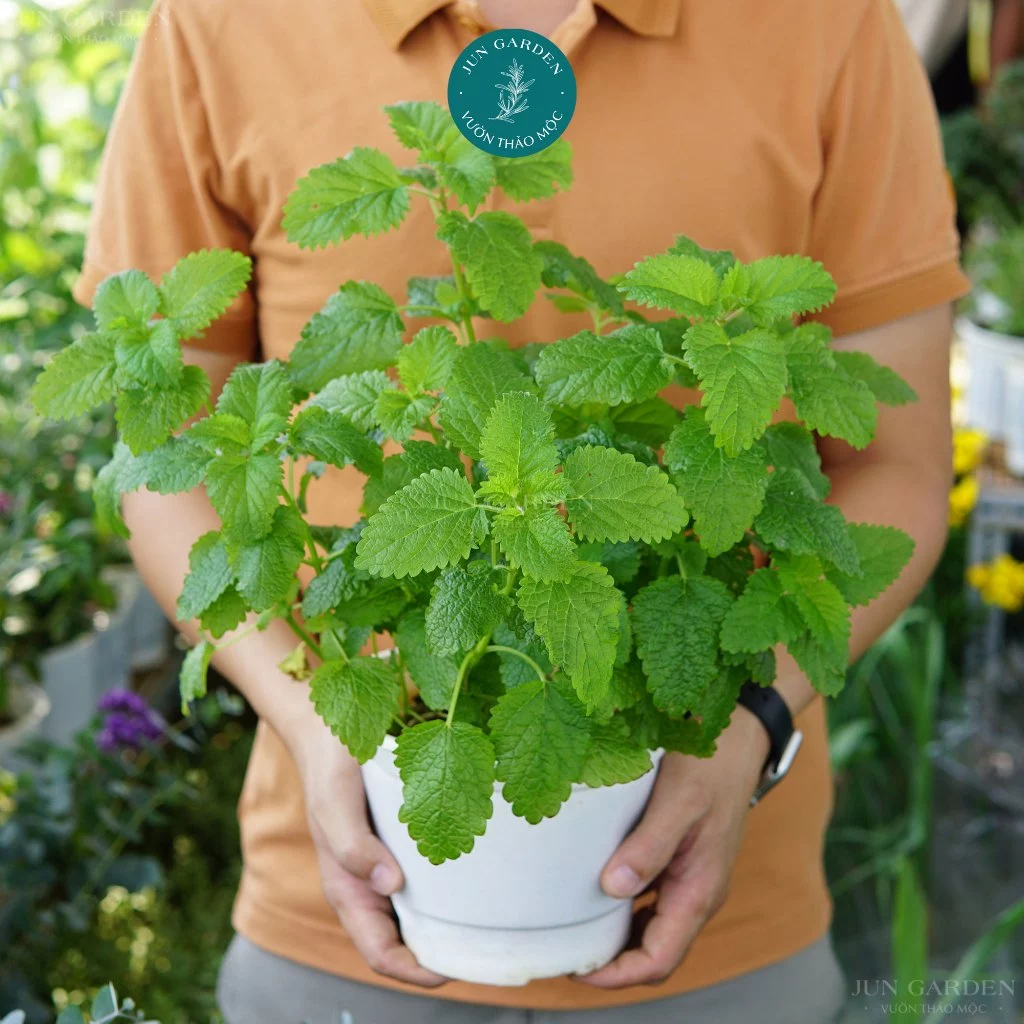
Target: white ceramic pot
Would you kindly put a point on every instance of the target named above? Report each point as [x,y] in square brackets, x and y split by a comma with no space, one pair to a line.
[526,903]
[989,355]
[29,705]
[1014,423]
[68,676]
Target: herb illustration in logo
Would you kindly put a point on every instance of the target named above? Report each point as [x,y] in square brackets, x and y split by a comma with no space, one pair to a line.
[512,92]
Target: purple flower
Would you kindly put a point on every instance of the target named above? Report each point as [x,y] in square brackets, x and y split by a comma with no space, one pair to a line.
[129,722]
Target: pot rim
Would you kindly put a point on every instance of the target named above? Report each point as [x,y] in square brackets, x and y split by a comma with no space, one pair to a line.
[35,705]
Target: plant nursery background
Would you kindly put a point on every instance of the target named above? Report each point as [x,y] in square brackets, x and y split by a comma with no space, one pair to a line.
[118,846]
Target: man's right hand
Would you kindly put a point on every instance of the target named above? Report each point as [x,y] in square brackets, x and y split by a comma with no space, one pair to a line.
[357,871]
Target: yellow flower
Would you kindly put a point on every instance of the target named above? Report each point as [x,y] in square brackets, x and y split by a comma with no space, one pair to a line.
[962,499]
[1000,583]
[968,447]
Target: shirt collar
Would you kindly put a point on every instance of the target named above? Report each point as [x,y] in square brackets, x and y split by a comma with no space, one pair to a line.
[397,18]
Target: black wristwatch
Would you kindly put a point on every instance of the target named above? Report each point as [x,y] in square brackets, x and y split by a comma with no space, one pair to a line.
[771,709]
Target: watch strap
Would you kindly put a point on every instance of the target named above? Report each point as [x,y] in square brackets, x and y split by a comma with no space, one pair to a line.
[784,741]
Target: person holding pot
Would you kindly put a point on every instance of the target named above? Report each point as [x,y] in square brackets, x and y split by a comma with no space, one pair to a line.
[800,126]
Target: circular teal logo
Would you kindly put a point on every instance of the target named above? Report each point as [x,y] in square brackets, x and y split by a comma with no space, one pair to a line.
[512,92]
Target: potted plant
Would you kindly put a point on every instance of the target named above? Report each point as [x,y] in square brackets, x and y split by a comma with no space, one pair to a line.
[566,562]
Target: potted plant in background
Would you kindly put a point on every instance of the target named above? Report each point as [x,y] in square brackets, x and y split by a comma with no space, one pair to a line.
[565,561]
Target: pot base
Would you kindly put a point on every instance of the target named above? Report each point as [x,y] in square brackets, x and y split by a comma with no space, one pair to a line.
[512,956]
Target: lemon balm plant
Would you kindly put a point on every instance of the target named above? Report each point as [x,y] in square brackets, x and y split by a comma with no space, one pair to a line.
[565,561]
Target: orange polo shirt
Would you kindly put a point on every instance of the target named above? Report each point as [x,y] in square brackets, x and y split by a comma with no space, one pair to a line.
[795,126]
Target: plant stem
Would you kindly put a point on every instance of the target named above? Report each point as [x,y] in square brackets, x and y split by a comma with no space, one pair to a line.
[501,649]
[510,582]
[467,663]
[460,281]
[305,637]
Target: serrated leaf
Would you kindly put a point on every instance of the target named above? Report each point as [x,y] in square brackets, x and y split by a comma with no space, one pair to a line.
[795,521]
[244,491]
[723,493]
[465,605]
[743,379]
[78,378]
[437,296]
[535,540]
[147,416]
[826,613]
[685,284]
[422,125]
[518,447]
[823,664]
[466,170]
[265,569]
[358,699]
[429,524]
[537,176]
[564,270]
[209,575]
[360,194]
[219,434]
[480,376]
[227,612]
[621,560]
[128,299]
[778,286]
[447,786]
[426,363]
[514,670]
[358,329]
[791,446]
[325,590]
[541,737]
[650,421]
[200,287]
[627,365]
[419,457]
[764,615]
[354,396]
[497,252]
[883,552]
[192,680]
[399,413]
[614,756]
[260,396]
[827,398]
[434,674]
[578,619]
[610,496]
[885,384]
[330,437]
[719,259]
[149,356]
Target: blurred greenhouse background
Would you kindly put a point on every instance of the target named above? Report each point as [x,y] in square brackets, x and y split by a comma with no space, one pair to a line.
[118,853]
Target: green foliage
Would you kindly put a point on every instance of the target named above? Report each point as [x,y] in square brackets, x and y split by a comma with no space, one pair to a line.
[530,531]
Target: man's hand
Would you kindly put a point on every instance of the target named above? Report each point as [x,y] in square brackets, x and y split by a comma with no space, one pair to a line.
[689,836]
[356,869]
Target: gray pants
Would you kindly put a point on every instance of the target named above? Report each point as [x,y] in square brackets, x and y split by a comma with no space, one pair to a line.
[256,987]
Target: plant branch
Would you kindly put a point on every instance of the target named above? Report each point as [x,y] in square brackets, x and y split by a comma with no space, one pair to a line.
[501,649]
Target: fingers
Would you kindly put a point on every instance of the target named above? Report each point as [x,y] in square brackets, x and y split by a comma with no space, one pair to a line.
[675,807]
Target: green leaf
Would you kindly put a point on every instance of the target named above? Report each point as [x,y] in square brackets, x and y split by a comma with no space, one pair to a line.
[354,396]
[541,737]
[330,437]
[244,491]
[399,413]
[426,363]
[360,194]
[796,521]
[883,552]
[219,434]
[209,575]
[515,671]
[447,784]
[437,296]
[227,612]
[614,756]
[826,397]
[650,421]
[823,665]
[764,615]
[77,378]
[260,396]
[149,356]
[518,447]
[326,589]
[357,699]
[429,524]
[481,375]
[398,471]
[104,1003]
[358,329]
[578,619]
[743,378]
[676,623]
[433,674]
[128,299]
[611,496]
[685,284]
[719,259]
[425,126]
[885,384]
[536,540]
[265,569]
[69,1015]
[200,287]
[537,176]
[466,171]
[192,680]
[564,270]
[825,611]
[147,416]
[464,606]
[723,493]
[791,446]
[621,560]
[778,286]
[627,365]
[497,252]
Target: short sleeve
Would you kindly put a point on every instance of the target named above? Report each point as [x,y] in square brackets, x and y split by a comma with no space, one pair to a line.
[158,194]
[884,218]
